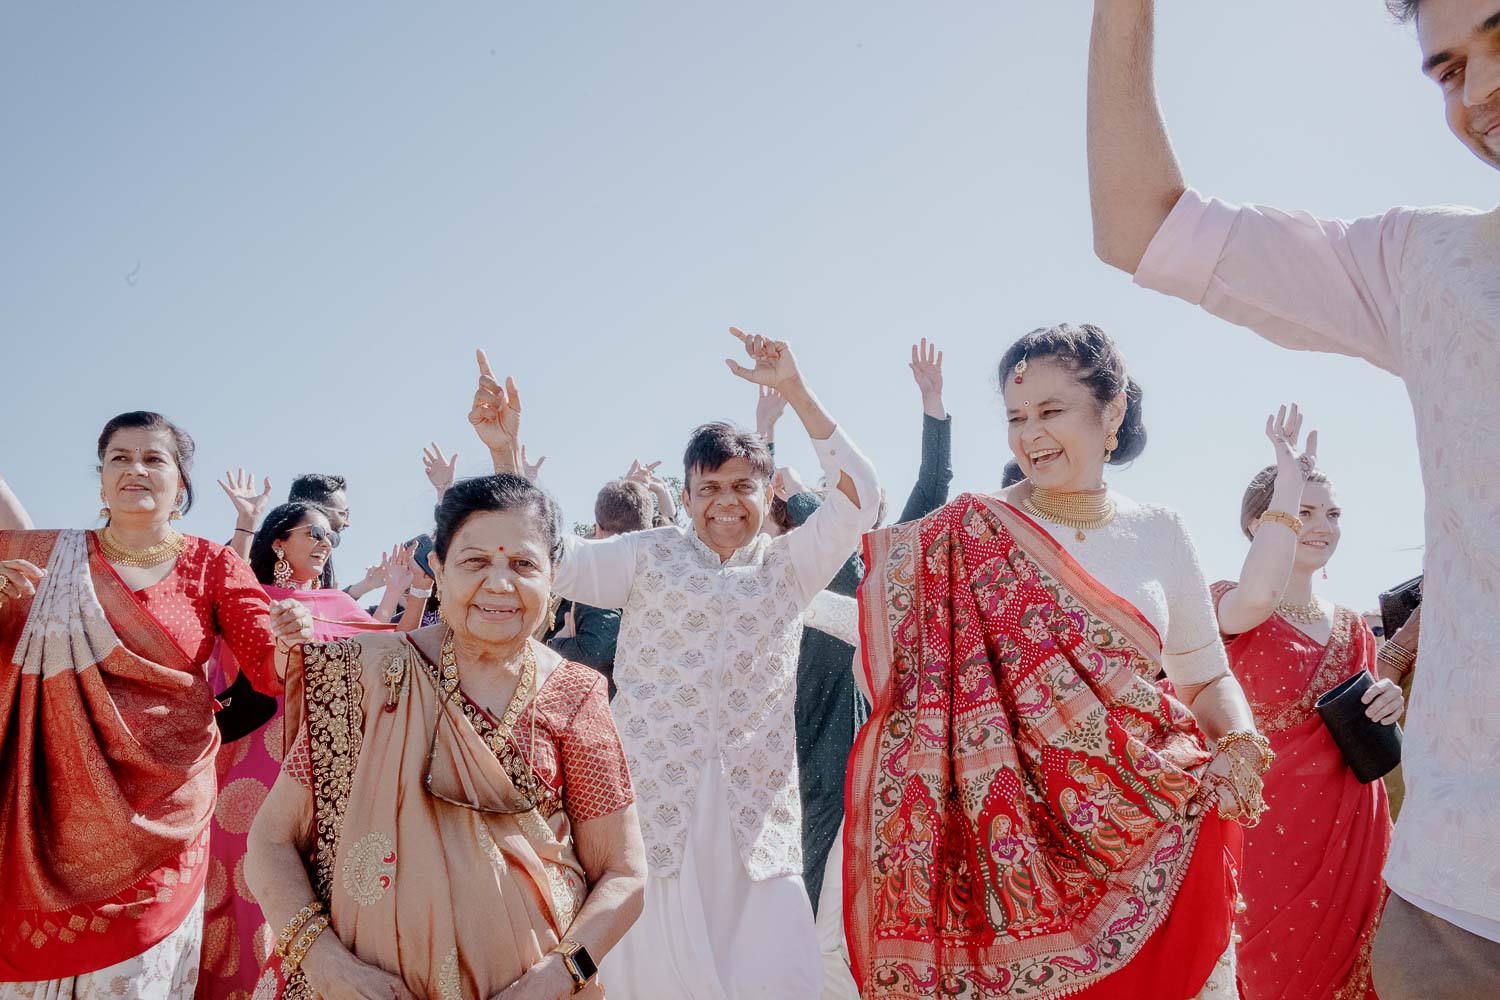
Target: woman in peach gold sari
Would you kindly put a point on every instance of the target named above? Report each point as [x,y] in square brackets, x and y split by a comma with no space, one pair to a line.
[460,791]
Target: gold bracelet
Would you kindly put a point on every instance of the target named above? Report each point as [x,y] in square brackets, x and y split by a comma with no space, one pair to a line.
[1250,736]
[297,952]
[1282,517]
[294,926]
[1398,657]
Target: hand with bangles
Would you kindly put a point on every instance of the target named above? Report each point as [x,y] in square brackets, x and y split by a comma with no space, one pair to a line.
[1234,780]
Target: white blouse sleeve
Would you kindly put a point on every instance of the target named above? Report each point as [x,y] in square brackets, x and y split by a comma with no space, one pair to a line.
[835,614]
[1194,652]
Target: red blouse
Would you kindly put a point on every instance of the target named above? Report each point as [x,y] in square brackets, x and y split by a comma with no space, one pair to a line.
[212,593]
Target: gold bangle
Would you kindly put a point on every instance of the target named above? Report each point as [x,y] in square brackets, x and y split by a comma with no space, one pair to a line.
[1282,517]
[297,952]
[1239,737]
[294,926]
[1398,657]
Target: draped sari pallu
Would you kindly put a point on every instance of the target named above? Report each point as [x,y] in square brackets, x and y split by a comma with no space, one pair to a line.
[459,903]
[1016,803]
[107,745]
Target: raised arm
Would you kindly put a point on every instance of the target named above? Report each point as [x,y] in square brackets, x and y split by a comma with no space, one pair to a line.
[1134,177]
[1268,565]
[936,472]
[249,508]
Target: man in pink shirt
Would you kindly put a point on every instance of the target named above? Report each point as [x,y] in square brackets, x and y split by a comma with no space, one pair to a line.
[1416,292]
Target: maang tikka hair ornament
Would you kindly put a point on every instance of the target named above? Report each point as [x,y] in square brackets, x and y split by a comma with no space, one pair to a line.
[1020,371]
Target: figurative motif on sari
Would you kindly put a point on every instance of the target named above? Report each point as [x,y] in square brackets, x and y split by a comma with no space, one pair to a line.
[1022,783]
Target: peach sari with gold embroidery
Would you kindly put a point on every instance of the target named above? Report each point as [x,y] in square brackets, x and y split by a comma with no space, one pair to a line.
[457,901]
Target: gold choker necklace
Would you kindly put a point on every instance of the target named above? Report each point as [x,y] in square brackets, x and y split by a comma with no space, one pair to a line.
[1303,614]
[1087,510]
[167,549]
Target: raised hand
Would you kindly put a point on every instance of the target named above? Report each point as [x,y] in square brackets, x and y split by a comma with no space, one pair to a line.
[399,568]
[529,470]
[249,506]
[1283,429]
[643,474]
[440,470]
[496,416]
[769,407]
[787,483]
[927,371]
[659,487]
[775,366]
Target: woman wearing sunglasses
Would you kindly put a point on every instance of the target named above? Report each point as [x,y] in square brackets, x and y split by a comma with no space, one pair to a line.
[290,557]
[461,790]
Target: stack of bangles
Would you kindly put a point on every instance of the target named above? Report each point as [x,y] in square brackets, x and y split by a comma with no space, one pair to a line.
[1250,757]
[298,936]
[1398,658]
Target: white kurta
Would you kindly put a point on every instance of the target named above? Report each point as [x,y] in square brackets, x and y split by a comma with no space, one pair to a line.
[706,674]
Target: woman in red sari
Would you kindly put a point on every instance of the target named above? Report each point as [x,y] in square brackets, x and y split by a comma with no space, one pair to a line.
[1029,814]
[289,556]
[1312,880]
[107,736]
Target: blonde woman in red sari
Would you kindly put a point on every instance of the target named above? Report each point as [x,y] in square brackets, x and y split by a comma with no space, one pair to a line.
[455,817]
[107,728]
[1030,815]
[1312,880]
[289,556]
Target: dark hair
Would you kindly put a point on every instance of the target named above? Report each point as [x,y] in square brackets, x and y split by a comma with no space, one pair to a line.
[315,487]
[623,506]
[1012,474]
[780,515]
[712,445]
[280,523]
[182,444]
[1094,360]
[1257,499]
[493,495]
[1403,10]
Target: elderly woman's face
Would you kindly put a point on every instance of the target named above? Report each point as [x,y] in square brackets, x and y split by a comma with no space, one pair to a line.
[139,473]
[497,579]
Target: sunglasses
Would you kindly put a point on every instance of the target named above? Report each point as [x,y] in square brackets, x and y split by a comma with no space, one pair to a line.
[318,533]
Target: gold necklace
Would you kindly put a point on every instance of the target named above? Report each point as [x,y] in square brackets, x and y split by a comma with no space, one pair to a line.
[1310,613]
[1086,510]
[167,549]
[518,701]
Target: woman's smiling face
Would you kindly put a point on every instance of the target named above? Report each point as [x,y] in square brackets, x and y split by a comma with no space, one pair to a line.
[1057,429]
[497,578]
[139,472]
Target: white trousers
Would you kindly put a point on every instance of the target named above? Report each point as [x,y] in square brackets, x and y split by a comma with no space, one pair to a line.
[166,971]
[838,981]
[711,933]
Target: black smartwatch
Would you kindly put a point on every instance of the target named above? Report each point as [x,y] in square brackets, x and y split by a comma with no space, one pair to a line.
[579,963]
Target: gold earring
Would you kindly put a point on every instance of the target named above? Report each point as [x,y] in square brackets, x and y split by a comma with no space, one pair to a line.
[1111,443]
[176,514]
[103,510]
[281,573]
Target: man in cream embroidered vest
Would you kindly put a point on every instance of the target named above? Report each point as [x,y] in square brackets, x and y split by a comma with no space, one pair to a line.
[706,669]
[1416,292]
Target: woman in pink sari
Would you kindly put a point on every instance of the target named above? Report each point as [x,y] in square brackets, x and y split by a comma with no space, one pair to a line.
[289,557]
[107,736]
[1312,881]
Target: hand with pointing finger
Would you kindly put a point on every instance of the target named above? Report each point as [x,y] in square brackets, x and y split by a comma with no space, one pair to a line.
[775,366]
[496,416]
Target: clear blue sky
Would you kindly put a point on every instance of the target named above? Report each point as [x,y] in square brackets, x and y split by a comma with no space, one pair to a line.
[324,210]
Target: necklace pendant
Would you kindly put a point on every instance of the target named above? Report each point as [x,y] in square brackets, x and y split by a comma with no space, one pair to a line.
[1080,536]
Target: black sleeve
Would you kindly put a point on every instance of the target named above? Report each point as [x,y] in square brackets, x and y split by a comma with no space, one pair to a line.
[936,473]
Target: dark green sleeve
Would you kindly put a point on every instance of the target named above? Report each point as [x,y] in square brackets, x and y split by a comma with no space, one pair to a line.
[801,507]
[936,472]
[597,631]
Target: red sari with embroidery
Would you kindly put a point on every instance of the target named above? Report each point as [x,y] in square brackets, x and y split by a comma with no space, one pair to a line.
[107,744]
[1017,802]
[1312,882]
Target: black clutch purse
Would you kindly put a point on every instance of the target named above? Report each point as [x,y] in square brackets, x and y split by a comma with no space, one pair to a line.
[1398,603]
[1371,749]
[245,710]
